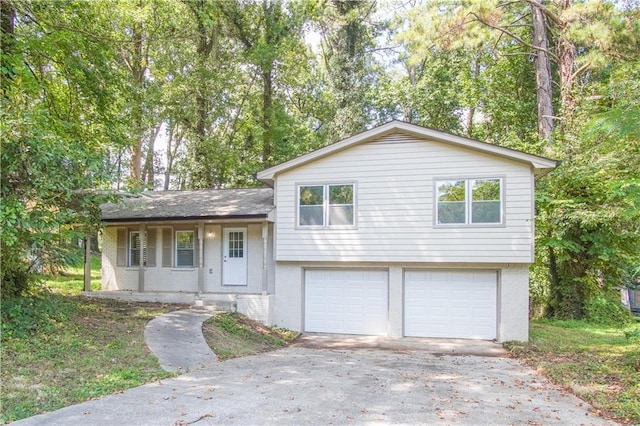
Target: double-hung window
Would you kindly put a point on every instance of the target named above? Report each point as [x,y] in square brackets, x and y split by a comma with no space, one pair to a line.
[134,249]
[185,249]
[326,206]
[469,201]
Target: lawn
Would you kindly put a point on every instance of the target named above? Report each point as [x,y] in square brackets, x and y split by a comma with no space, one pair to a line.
[232,335]
[59,348]
[599,364]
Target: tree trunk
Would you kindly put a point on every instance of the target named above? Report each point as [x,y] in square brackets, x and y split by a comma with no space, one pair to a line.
[267,110]
[567,57]
[137,68]
[203,177]
[148,173]
[542,66]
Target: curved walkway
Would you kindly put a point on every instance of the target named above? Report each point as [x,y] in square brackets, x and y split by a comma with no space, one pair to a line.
[176,340]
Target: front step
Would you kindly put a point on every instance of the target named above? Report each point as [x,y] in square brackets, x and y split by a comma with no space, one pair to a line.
[215,305]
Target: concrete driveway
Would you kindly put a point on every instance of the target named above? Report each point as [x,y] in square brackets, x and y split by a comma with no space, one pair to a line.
[328,381]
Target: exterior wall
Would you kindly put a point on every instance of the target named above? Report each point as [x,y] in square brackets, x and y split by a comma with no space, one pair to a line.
[395,188]
[513,303]
[257,307]
[172,279]
[513,294]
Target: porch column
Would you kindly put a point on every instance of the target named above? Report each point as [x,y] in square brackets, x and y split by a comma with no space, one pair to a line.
[200,259]
[87,261]
[143,245]
[265,260]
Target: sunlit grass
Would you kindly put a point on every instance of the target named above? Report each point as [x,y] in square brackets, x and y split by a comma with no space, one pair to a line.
[71,280]
[599,364]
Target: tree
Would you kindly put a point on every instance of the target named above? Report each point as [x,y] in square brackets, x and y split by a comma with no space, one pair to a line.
[347,39]
[57,116]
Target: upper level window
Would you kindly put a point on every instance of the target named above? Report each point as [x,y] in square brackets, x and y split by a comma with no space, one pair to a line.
[469,201]
[326,205]
[134,249]
[185,249]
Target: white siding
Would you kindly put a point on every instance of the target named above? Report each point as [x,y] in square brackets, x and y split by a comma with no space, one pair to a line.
[395,201]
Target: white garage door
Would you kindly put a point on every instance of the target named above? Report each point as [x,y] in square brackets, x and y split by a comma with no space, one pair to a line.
[454,304]
[346,301]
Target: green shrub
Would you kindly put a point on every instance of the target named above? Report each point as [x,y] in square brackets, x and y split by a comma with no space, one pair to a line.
[22,316]
[606,310]
[15,276]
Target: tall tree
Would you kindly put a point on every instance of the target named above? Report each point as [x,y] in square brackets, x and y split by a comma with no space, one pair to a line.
[348,36]
[58,114]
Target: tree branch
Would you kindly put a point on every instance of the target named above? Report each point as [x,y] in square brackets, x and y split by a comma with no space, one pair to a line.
[515,37]
[555,18]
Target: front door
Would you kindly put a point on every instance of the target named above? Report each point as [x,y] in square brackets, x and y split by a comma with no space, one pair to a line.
[234,256]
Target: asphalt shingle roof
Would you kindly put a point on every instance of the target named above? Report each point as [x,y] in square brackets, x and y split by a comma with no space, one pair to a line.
[184,205]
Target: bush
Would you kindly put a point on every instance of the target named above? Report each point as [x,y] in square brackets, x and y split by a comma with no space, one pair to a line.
[15,276]
[606,310]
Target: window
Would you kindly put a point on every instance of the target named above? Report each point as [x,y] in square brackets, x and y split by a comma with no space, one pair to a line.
[236,244]
[326,205]
[134,249]
[469,201]
[184,249]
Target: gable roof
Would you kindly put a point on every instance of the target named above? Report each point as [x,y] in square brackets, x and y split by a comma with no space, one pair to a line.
[540,164]
[191,205]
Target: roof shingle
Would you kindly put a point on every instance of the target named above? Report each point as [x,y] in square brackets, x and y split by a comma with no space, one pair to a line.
[185,205]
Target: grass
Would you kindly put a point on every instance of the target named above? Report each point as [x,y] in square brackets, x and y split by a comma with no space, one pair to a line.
[71,281]
[232,335]
[599,364]
[59,348]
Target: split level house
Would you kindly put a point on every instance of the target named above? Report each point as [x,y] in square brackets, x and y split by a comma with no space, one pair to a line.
[397,231]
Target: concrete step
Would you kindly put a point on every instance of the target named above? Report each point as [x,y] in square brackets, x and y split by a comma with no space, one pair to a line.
[213,305]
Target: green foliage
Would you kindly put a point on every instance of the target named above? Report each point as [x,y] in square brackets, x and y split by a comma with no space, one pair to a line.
[60,350]
[633,334]
[15,277]
[56,120]
[606,310]
[40,313]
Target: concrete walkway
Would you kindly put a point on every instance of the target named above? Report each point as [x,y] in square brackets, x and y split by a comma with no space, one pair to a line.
[176,340]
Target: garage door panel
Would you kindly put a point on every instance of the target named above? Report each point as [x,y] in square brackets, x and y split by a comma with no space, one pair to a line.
[346,301]
[458,304]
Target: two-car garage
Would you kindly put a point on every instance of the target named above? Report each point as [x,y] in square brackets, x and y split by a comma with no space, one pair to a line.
[435,303]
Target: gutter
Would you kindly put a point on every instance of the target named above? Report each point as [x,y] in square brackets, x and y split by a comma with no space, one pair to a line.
[184,218]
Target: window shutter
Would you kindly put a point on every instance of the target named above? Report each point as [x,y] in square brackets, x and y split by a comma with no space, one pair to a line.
[196,250]
[121,248]
[167,247]
[151,247]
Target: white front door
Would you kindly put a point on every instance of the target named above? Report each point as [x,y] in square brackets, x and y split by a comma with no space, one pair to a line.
[234,256]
